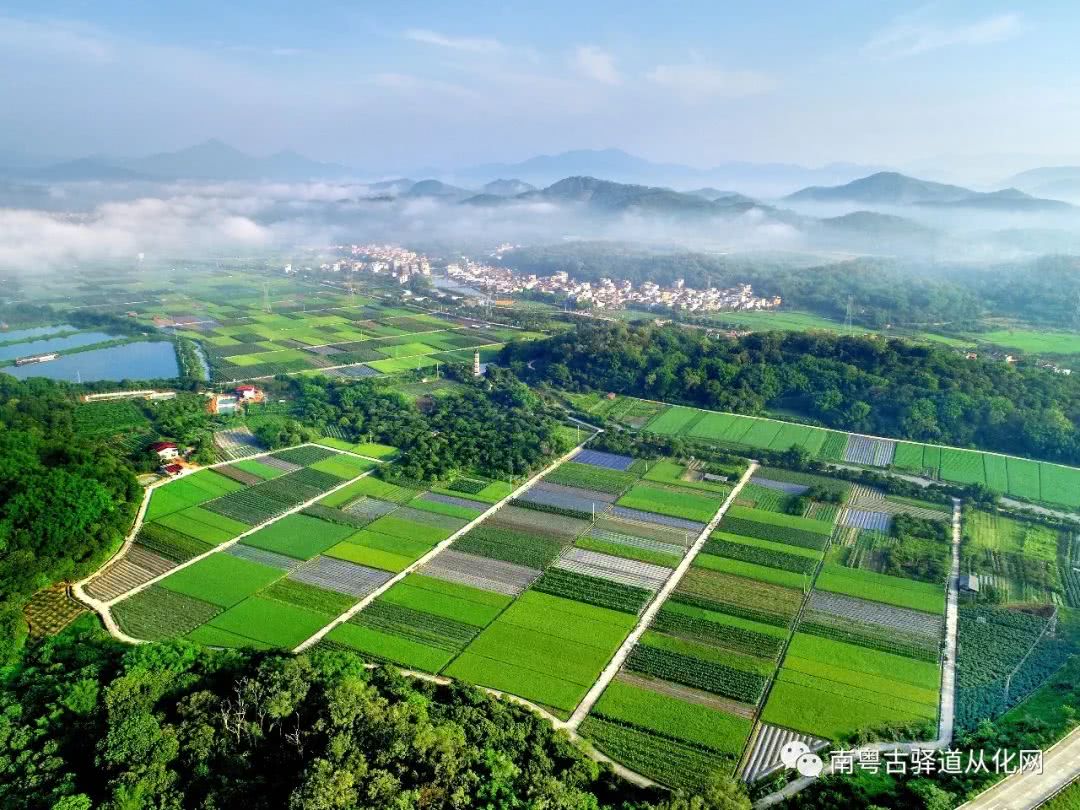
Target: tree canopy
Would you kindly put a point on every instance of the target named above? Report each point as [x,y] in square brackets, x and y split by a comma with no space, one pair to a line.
[870,385]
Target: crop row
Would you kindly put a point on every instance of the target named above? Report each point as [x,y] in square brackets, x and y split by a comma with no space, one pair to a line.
[303,595]
[593,591]
[424,628]
[672,762]
[768,531]
[589,476]
[710,676]
[509,546]
[157,613]
[681,623]
[305,455]
[761,556]
[333,515]
[740,596]
[552,509]
[170,544]
[872,636]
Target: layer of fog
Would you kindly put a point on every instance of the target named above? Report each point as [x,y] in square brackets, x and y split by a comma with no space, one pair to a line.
[53,227]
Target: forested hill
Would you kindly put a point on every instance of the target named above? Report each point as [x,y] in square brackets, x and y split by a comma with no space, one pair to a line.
[65,504]
[86,722]
[885,387]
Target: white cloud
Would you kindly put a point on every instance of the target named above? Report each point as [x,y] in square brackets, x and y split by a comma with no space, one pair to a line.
[472,44]
[596,64]
[53,39]
[910,37]
[696,82]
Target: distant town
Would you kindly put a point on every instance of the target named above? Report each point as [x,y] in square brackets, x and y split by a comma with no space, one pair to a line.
[403,264]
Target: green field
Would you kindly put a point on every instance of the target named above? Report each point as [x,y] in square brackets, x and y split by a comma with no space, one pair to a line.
[876,587]
[191,490]
[221,579]
[1033,342]
[203,524]
[671,717]
[298,536]
[670,501]
[271,622]
[544,648]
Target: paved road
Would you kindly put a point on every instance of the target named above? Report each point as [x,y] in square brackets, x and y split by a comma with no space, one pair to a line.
[1023,791]
[612,669]
[946,711]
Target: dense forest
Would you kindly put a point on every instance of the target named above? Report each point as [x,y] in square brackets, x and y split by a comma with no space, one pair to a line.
[86,722]
[884,387]
[65,503]
[495,427]
[883,291]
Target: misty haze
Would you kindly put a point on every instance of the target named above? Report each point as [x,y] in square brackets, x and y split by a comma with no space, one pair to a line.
[608,406]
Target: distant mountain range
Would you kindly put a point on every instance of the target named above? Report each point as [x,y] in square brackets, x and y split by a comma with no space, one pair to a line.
[1052,181]
[763,179]
[894,189]
[215,160]
[212,160]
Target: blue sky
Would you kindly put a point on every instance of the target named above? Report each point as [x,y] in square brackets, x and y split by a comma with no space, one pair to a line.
[408,84]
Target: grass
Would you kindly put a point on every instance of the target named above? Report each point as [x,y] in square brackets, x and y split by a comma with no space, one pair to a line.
[221,579]
[923,674]
[668,472]
[256,467]
[372,487]
[274,623]
[448,509]
[794,704]
[673,421]
[779,519]
[191,490]
[203,524]
[382,646]
[372,557]
[675,503]
[375,450]
[307,596]
[211,636]
[544,648]
[681,720]
[628,552]
[343,466]
[859,679]
[409,529]
[1060,484]
[1004,534]
[1040,342]
[924,596]
[298,536]
[761,573]
[447,599]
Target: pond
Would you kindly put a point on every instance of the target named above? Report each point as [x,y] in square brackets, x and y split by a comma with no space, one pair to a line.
[133,361]
[59,344]
[6,336]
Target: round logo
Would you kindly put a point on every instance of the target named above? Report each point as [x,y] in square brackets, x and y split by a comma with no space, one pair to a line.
[809,765]
[791,752]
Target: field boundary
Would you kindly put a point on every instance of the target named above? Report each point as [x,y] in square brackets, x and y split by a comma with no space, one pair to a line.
[103,607]
[948,679]
[616,662]
[367,600]
[888,468]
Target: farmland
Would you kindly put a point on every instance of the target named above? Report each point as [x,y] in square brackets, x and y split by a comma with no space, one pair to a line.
[1036,481]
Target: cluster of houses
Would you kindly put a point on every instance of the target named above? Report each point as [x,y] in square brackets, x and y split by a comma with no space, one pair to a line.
[172,456]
